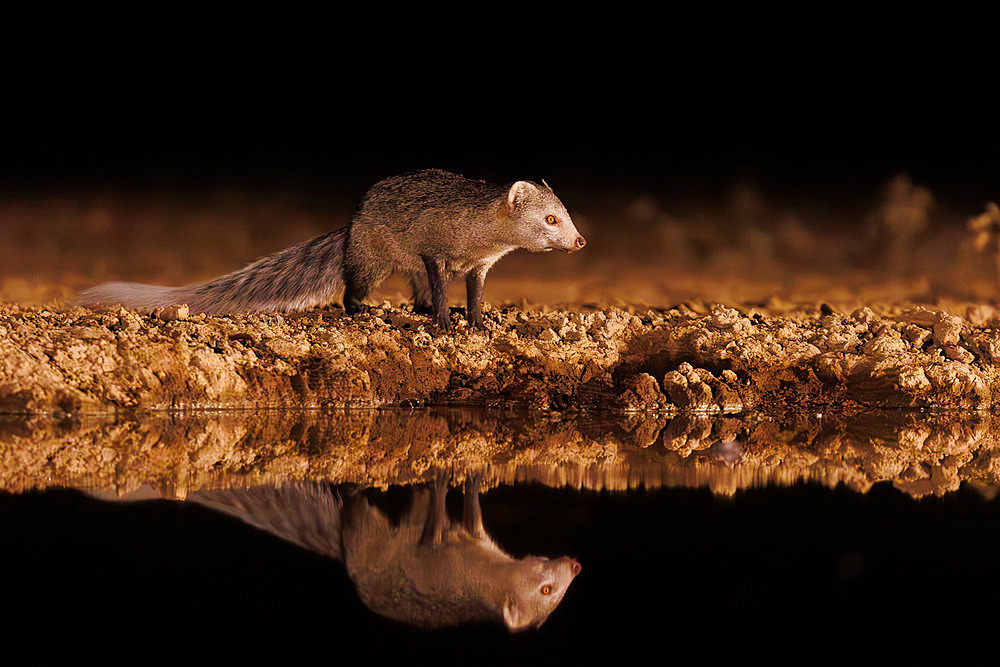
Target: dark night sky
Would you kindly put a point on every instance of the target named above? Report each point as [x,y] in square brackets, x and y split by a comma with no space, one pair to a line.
[597,146]
[674,103]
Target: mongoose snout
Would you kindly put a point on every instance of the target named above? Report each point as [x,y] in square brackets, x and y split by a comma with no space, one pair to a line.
[575,245]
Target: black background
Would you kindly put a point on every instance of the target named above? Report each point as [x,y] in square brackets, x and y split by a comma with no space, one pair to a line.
[772,573]
[816,144]
[826,104]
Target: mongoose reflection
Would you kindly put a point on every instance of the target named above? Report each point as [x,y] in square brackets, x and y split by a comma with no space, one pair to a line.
[426,571]
[430,226]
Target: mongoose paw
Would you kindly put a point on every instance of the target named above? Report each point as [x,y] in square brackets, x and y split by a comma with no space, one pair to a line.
[355,308]
[477,327]
[443,322]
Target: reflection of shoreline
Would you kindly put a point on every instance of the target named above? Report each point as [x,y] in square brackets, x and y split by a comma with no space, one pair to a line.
[919,453]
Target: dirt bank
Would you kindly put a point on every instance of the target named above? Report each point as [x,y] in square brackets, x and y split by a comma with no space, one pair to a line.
[694,357]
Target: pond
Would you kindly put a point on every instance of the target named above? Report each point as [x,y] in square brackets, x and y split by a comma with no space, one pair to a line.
[262,530]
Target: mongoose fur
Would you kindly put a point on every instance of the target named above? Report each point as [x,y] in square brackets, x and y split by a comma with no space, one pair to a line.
[429,225]
[426,571]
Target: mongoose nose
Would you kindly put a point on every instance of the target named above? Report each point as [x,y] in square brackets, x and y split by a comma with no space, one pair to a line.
[580,242]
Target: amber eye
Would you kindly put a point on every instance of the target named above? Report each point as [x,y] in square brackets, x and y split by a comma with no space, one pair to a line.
[546,589]
[551,219]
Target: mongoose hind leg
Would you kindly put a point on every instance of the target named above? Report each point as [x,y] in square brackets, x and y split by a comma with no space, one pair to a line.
[354,300]
[358,283]
[439,299]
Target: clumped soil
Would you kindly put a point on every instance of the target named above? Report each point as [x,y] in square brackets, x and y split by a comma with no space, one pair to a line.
[692,358]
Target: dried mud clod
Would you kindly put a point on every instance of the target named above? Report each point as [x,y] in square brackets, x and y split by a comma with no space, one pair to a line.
[697,389]
[713,359]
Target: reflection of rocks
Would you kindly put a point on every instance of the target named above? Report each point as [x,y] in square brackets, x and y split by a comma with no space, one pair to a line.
[727,451]
[920,453]
[642,430]
[690,433]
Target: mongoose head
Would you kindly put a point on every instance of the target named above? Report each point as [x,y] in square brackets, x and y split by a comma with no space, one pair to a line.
[541,222]
[537,589]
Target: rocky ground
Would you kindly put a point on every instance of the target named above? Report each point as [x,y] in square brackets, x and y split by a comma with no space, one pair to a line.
[711,359]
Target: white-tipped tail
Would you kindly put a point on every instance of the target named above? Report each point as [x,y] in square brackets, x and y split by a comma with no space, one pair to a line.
[134,295]
[305,513]
[306,275]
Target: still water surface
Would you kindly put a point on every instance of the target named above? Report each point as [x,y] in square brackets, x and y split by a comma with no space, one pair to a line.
[758,570]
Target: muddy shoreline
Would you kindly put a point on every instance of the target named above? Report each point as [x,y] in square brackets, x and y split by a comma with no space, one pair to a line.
[694,358]
[700,394]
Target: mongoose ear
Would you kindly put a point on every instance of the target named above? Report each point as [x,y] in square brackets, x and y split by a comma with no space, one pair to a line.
[517,193]
[513,617]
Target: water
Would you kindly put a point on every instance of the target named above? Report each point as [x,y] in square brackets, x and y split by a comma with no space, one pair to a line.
[754,569]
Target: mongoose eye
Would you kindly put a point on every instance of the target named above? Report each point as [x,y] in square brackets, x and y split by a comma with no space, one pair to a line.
[546,589]
[551,219]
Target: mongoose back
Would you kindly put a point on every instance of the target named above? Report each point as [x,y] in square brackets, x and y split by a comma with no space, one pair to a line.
[426,571]
[429,225]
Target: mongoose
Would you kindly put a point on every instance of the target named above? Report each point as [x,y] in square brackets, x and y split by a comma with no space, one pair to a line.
[426,571]
[429,225]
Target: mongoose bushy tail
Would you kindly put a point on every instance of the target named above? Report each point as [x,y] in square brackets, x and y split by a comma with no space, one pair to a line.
[305,513]
[431,226]
[309,274]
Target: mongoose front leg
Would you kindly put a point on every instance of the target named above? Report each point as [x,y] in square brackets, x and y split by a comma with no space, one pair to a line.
[472,513]
[439,300]
[437,512]
[474,281]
